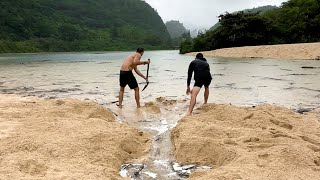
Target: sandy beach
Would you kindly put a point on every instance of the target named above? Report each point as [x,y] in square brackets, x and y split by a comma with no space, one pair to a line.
[64,139]
[73,139]
[263,142]
[304,51]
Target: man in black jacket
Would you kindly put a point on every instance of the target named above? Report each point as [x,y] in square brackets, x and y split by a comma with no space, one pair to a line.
[202,77]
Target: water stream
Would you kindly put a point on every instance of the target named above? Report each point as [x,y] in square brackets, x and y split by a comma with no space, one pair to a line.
[161,163]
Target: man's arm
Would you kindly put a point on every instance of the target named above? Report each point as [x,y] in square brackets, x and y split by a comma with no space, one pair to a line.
[190,71]
[139,73]
[136,60]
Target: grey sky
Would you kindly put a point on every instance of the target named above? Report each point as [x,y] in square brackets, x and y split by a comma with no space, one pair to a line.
[198,14]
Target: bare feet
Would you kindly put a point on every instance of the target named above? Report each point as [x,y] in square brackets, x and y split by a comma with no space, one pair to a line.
[189,114]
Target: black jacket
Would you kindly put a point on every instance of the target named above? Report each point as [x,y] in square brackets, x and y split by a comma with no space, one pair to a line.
[201,70]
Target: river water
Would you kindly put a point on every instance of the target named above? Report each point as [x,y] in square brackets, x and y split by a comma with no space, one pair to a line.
[94,76]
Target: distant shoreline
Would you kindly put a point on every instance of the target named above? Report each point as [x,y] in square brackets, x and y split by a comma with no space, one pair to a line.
[88,52]
[303,51]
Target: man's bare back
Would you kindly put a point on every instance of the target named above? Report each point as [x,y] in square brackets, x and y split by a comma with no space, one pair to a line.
[130,62]
[127,78]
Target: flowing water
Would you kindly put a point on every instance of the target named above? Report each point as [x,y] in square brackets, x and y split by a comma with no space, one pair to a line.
[94,76]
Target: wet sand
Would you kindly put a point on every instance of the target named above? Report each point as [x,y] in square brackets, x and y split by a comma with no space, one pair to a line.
[263,142]
[64,139]
[73,139]
[304,51]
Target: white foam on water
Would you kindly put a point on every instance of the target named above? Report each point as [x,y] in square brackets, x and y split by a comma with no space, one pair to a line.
[164,122]
[177,167]
[204,167]
[173,174]
[123,173]
[153,175]
[164,163]
[160,129]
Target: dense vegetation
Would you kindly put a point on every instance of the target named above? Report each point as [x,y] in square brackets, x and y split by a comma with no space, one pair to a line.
[177,32]
[260,10]
[296,21]
[80,25]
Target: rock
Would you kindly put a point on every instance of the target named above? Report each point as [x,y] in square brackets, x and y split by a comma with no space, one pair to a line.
[302,110]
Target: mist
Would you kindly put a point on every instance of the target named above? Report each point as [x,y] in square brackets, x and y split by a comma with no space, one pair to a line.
[203,14]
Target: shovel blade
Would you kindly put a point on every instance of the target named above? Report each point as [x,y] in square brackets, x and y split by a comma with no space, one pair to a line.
[145,86]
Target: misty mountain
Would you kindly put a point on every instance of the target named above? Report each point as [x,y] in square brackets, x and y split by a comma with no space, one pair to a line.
[175,28]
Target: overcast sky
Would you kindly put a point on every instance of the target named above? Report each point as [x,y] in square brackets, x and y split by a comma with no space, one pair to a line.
[198,14]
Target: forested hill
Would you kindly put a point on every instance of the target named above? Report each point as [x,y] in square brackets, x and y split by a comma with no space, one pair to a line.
[175,28]
[260,10]
[80,25]
[296,21]
[177,32]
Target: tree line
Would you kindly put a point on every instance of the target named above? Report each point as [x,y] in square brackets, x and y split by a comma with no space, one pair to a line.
[296,21]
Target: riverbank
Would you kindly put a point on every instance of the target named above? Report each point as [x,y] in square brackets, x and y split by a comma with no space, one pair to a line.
[304,51]
[250,142]
[64,139]
[57,139]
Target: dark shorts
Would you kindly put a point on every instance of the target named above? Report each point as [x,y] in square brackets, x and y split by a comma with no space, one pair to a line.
[127,78]
[204,82]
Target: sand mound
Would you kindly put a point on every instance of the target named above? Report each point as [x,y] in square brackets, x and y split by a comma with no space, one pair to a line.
[152,107]
[64,139]
[284,51]
[264,142]
[166,102]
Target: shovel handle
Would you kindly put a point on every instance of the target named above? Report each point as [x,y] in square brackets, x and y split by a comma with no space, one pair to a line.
[147,72]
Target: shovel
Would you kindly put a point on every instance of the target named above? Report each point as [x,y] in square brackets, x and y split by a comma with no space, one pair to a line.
[147,80]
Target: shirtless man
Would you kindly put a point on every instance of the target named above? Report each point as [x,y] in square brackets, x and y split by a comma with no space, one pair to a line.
[126,75]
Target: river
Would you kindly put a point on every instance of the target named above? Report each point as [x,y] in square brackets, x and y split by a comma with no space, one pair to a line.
[94,76]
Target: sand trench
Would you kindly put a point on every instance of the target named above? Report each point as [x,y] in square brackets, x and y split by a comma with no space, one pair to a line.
[158,118]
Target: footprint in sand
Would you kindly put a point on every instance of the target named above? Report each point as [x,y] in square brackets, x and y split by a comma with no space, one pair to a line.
[281,124]
[6,128]
[317,161]
[310,140]
[314,148]
[263,160]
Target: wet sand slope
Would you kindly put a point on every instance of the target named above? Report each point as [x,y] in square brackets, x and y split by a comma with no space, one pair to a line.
[64,139]
[263,142]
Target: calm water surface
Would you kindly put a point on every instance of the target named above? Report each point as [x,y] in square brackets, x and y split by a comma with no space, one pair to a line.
[95,76]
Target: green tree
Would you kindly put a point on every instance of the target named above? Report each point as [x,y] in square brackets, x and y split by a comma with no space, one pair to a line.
[296,21]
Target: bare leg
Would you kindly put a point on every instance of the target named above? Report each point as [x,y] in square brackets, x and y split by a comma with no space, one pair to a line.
[194,94]
[121,92]
[137,96]
[206,95]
